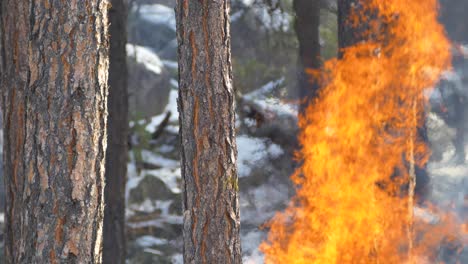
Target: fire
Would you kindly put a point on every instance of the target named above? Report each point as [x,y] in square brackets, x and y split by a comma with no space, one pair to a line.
[360,145]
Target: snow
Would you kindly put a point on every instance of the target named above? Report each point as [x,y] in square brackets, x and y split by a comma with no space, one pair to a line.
[262,97]
[247,2]
[158,14]
[159,160]
[255,258]
[253,150]
[275,20]
[150,206]
[172,107]
[170,64]
[153,251]
[158,222]
[237,15]
[177,259]
[133,179]
[169,172]
[146,56]
[174,83]
[149,241]
[165,148]
[169,176]
[265,90]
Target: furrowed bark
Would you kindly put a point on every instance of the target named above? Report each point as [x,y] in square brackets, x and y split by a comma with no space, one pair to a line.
[116,157]
[206,106]
[54,99]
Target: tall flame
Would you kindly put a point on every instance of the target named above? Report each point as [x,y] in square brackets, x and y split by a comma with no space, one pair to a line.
[360,143]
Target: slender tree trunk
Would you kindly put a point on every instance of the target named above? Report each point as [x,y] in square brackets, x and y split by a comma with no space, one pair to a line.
[206,106]
[117,127]
[307,29]
[54,96]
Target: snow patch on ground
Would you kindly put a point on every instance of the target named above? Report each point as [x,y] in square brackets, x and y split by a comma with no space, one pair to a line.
[149,241]
[158,14]
[170,107]
[253,150]
[165,216]
[177,259]
[145,56]
[159,160]
[169,176]
[262,97]
[171,64]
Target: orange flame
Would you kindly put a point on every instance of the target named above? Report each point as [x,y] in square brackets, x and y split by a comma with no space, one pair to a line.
[361,131]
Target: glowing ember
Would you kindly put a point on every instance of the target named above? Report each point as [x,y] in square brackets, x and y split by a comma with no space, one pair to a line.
[360,144]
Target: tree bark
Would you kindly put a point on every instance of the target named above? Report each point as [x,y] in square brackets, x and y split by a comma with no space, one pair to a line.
[346,32]
[54,98]
[116,157]
[206,106]
[349,34]
[307,29]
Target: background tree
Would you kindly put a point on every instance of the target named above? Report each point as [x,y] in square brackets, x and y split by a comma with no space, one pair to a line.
[348,34]
[207,130]
[54,88]
[117,127]
[307,29]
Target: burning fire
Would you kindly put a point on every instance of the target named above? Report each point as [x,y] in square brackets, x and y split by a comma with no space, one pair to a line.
[360,146]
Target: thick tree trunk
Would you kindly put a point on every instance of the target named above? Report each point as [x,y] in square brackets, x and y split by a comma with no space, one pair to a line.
[206,106]
[54,97]
[350,11]
[347,35]
[117,127]
[307,29]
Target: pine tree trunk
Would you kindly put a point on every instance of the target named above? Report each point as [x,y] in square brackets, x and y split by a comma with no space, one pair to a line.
[346,33]
[206,106]
[307,29]
[117,127]
[54,96]
[349,35]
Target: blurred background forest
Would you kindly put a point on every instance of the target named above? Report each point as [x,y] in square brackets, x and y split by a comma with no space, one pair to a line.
[267,81]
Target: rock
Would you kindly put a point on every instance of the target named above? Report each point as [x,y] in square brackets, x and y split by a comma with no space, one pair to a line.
[149,82]
[176,206]
[169,52]
[152,26]
[151,188]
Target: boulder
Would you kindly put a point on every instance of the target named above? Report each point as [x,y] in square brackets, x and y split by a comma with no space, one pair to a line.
[169,52]
[151,188]
[148,82]
[151,25]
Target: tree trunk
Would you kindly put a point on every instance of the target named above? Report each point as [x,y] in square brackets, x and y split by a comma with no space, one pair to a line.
[54,96]
[346,32]
[117,127]
[307,29]
[349,35]
[206,106]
